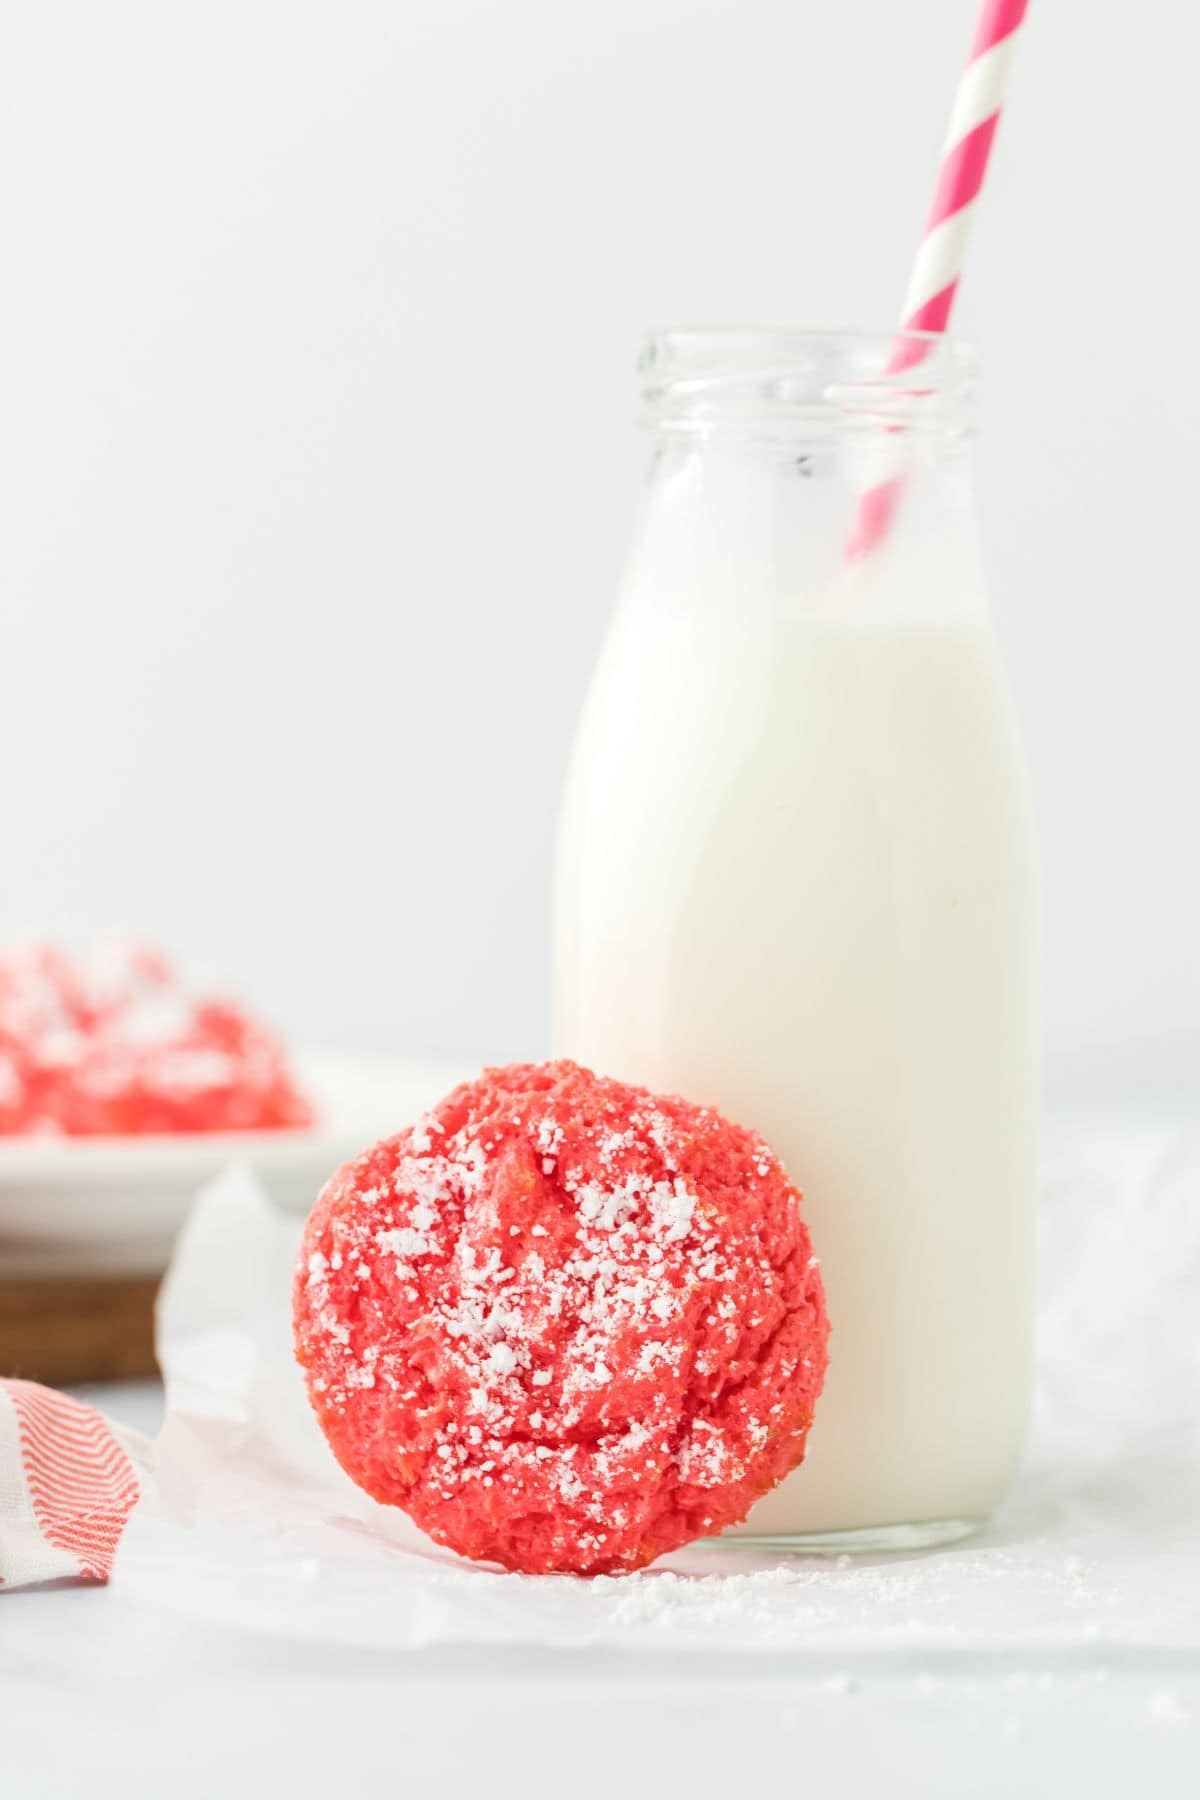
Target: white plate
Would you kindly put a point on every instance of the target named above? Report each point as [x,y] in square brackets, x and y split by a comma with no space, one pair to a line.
[98,1206]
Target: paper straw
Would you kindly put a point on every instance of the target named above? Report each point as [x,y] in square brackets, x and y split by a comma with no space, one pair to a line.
[938,268]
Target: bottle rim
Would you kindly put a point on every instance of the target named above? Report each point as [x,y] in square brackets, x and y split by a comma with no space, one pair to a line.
[703,377]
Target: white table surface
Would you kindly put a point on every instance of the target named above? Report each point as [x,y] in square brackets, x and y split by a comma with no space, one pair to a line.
[100,1698]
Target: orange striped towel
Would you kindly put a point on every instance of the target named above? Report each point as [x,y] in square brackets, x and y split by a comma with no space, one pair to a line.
[68,1483]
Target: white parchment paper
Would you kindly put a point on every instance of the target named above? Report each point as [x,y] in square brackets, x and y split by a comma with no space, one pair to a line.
[252,1523]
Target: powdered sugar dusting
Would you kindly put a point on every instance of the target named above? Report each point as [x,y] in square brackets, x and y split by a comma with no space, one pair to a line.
[561,1284]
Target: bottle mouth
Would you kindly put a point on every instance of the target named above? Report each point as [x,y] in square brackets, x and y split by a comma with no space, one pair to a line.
[702,378]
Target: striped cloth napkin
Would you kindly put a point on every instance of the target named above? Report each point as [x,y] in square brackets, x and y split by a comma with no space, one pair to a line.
[68,1483]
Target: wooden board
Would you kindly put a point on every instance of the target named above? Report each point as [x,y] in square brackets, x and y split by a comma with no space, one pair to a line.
[61,1331]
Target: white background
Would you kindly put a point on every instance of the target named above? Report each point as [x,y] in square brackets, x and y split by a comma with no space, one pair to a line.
[317,456]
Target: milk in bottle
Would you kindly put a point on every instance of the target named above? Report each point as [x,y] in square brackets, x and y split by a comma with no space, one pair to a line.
[794,881]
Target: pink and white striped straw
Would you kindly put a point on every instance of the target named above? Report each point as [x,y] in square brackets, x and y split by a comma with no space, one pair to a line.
[939,264]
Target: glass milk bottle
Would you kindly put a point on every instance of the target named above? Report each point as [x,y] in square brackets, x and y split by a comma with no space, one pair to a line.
[794,881]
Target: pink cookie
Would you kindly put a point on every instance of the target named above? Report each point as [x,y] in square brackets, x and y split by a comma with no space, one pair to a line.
[566,1324]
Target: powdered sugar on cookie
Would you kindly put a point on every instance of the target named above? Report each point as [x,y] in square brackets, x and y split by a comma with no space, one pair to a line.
[603,1304]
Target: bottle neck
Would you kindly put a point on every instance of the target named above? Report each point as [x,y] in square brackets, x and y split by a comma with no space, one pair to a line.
[764,520]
